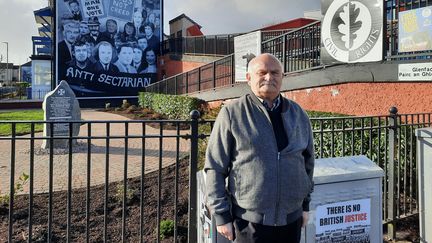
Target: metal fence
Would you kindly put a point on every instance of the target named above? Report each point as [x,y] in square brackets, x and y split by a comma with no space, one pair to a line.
[21,93]
[299,49]
[91,175]
[203,45]
[221,45]
[217,74]
[392,9]
[113,153]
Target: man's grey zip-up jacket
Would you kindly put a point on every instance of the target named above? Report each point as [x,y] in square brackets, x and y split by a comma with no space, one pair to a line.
[264,186]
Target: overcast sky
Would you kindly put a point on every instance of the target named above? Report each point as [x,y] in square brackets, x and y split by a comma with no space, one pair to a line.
[17,22]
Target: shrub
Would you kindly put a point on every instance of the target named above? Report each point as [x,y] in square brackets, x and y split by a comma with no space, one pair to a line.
[18,187]
[166,228]
[172,106]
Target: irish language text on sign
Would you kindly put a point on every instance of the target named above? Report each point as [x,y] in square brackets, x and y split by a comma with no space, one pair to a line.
[343,221]
[415,72]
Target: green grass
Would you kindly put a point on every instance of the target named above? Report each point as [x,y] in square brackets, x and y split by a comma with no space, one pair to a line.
[24,115]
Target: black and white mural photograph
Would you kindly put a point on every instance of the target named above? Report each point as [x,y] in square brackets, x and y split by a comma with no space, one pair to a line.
[107,47]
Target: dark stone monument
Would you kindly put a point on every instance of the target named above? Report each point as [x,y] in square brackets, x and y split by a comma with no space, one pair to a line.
[60,106]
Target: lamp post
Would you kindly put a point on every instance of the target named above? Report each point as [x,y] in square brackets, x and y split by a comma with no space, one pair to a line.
[7,59]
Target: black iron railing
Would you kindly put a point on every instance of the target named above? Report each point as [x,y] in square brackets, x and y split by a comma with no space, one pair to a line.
[22,93]
[219,73]
[392,10]
[220,45]
[298,49]
[96,167]
[111,154]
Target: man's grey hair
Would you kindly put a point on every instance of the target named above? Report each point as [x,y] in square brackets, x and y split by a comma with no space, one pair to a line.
[252,62]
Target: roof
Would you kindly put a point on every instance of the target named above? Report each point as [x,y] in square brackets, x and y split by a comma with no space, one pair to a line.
[43,15]
[27,64]
[183,16]
[6,65]
[194,30]
[290,24]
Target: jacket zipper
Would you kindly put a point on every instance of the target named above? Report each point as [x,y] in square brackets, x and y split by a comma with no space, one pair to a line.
[277,189]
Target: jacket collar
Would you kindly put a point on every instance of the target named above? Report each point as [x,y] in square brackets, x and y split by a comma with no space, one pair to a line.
[257,102]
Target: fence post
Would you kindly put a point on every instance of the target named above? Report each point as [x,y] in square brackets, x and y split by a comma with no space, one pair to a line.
[193,159]
[199,79]
[284,54]
[187,83]
[232,70]
[391,197]
[214,75]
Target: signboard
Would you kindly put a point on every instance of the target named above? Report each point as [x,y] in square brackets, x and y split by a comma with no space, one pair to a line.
[347,221]
[415,30]
[107,47]
[351,31]
[121,8]
[26,74]
[246,47]
[92,8]
[415,72]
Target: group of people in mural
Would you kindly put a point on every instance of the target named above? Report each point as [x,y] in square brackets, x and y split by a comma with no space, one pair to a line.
[108,44]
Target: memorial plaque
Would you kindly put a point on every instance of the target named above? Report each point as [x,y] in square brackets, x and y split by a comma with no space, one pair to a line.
[61,106]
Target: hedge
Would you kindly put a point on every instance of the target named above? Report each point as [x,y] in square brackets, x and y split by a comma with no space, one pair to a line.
[173,106]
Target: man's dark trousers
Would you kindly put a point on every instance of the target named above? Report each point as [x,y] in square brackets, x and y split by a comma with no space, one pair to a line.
[247,232]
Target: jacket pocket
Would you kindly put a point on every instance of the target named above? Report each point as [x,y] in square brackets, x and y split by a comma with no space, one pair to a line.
[295,184]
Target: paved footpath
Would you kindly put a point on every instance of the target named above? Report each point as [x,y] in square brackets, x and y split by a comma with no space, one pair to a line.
[98,155]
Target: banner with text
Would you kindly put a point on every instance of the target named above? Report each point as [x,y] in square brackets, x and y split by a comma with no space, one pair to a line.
[415,30]
[107,47]
[415,72]
[246,47]
[347,221]
[351,31]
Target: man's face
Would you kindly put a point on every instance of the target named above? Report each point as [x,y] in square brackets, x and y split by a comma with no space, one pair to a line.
[125,56]
[150,57]
[129,29]
[94,29]
[142,43]
[81,53]
[71,34]
[265,77]
[151,18]
[111,27]
[105,54]
[137,55]
[84,29]
[148,30]
[137,18]
[74,7]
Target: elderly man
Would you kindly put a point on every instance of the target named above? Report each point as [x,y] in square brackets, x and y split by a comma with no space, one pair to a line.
[263,143]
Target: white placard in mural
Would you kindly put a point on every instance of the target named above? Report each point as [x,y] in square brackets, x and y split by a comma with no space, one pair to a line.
[415,72]
[347,221]
[351,31]
[246,47]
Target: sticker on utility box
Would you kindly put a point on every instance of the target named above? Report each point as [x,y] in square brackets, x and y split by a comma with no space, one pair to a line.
[343,222]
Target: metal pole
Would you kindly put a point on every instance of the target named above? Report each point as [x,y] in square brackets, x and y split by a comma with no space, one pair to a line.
[192,212]
[393,125]
[7,60]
